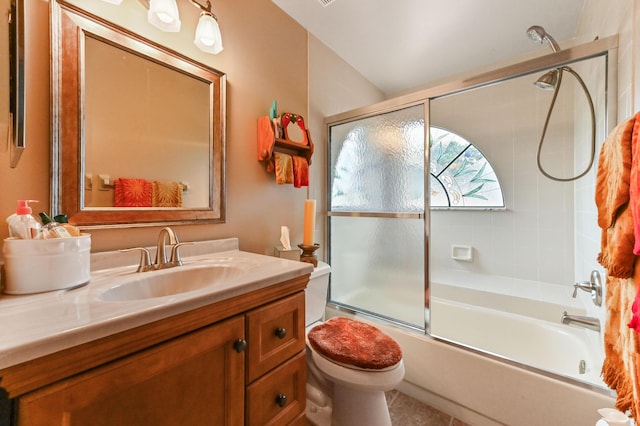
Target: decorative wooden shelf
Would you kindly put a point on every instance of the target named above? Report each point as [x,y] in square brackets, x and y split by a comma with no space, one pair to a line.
[300,147]
[268,143]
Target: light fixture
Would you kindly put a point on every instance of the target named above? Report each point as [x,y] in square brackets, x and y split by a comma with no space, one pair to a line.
[164,15]
[208,37]
[116,2]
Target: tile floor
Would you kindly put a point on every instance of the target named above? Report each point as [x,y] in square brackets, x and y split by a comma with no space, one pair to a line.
[406,411]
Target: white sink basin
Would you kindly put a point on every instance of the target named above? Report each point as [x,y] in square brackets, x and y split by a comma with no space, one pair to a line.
[168,282]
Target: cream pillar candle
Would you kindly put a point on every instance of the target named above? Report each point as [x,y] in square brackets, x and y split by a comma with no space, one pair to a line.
[309,222]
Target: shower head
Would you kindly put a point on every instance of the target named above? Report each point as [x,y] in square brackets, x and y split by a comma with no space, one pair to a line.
[548,80]
[537,33]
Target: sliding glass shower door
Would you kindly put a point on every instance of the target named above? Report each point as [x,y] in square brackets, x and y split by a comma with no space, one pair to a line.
[377,228]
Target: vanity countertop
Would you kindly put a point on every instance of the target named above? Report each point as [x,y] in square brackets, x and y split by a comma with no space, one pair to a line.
[35,325]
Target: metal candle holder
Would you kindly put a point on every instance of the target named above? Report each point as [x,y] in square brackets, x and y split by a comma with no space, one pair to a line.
[308,254]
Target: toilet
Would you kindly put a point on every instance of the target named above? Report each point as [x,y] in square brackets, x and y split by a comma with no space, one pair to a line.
[347,377]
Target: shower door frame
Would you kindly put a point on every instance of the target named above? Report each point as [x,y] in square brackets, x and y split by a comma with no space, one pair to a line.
[605,47]
[424,216]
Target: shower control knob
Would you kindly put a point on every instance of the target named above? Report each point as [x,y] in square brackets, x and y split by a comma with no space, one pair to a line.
[281,332]
[240,345]
[281,400]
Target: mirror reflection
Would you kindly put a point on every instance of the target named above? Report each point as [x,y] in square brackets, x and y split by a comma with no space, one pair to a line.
[160,124]
[138,129]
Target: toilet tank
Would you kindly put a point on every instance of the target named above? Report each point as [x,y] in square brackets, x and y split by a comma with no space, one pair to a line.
[316,293]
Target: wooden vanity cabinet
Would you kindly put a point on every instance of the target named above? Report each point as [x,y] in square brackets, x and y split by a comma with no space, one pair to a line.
[239,361]
[194,379]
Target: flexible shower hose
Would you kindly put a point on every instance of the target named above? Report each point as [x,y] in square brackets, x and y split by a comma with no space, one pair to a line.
[546,124]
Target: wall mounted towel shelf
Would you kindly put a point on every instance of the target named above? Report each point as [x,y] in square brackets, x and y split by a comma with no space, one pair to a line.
[273,135]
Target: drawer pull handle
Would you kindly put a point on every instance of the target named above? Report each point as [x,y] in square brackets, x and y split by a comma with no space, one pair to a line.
[240,345]
[281,332]
[281,400]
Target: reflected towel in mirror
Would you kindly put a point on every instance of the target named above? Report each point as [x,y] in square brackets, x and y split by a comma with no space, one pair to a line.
[132,192]
[167,194]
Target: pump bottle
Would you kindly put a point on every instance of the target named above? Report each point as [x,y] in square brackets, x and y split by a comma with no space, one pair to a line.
[22,224]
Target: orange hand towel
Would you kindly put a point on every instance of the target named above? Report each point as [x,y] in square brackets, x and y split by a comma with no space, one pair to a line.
[634,189]
[614,173]
[283,168]
[266,138]
[132,193]
[300,171]
[616,253]
[167,194]
[620,367]
[612,200]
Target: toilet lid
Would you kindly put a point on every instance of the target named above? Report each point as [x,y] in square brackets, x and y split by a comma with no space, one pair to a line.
[354,343]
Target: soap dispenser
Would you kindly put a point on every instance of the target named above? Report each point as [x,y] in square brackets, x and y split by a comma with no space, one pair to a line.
[22,224]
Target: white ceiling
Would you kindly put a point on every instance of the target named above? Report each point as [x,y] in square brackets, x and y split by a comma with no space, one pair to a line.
[403,44]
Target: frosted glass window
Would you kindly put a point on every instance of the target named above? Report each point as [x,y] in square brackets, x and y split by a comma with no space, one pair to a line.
[377,163]
[460,175]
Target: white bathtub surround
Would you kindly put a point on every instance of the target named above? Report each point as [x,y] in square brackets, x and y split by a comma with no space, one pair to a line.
[484,391]
[495,287]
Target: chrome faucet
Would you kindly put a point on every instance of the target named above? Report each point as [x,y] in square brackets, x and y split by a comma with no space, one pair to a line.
[587,322]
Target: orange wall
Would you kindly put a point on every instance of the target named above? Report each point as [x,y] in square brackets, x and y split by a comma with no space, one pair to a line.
[265,58]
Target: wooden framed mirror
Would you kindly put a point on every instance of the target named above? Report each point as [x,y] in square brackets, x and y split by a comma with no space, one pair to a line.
[138,129]
[17,93]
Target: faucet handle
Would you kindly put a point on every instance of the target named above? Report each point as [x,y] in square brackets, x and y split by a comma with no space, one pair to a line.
[145,258]
[175,254]
[594,286]
[584,285]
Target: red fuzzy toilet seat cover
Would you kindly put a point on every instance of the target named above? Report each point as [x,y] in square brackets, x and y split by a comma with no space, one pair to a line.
[355,343]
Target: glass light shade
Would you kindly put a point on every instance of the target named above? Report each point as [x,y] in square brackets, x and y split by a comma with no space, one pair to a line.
[208,36]
[116,2]
[164,15]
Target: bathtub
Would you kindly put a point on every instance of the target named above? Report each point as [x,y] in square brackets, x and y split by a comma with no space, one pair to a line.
[515,379]
[562,349]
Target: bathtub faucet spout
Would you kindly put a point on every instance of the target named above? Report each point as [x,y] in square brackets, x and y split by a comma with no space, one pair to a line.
[588,322]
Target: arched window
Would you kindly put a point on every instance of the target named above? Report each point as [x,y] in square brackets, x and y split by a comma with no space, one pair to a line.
[460,175]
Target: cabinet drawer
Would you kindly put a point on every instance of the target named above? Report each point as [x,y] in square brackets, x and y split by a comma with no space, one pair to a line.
[275,333]
[279,397]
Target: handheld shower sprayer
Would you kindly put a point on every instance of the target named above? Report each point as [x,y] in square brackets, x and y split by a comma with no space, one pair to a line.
[552,80]
[538,34]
